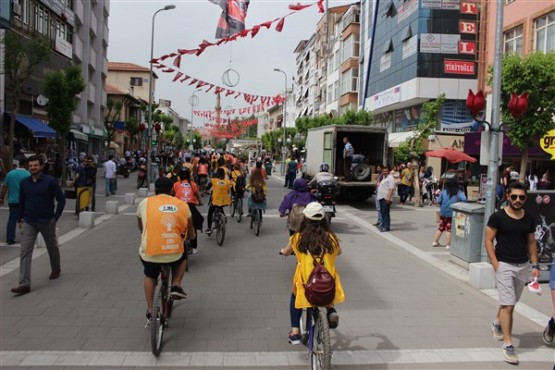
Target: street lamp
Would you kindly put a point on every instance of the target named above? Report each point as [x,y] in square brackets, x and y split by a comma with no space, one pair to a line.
[148,161]
[193,100]
[284,122]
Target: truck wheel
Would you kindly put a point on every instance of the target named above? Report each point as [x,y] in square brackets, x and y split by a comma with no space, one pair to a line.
[361,172]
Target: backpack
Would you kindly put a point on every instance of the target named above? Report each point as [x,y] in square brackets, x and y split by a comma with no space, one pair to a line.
[295,217]
[258,195]
[240,184]
[319,289]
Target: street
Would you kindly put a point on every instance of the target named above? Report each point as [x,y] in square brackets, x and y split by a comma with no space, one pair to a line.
[407,306]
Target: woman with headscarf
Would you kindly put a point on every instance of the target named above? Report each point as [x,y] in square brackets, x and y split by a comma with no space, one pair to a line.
[293,204]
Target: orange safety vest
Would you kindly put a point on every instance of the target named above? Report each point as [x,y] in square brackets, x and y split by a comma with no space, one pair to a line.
[185,191]
[202,169]
[220,192]
[166,225]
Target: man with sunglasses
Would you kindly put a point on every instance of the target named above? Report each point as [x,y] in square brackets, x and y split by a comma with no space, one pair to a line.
[513,230]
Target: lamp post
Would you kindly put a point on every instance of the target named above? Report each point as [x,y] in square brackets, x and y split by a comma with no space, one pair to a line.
[149,134]
[283,150]
[193,100]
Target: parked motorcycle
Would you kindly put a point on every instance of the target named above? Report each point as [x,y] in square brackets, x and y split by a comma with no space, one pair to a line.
[141,177]
[327,190]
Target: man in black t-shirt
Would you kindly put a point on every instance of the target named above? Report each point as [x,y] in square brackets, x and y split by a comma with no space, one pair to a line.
[513,230]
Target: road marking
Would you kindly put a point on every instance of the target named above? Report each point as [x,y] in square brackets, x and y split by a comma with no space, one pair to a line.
[449,268]
[266,359]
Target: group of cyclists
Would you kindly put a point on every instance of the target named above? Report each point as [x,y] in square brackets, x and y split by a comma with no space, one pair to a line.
[229,178]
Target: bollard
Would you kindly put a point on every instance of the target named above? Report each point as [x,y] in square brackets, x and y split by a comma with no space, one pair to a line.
[142,192]
[481,275]
[86,219]
[112,207]
[151,188]
[129,198]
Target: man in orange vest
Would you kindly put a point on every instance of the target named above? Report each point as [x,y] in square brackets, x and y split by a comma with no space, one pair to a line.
[164,221]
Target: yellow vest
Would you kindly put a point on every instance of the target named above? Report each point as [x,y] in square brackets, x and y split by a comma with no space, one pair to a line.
[166,225]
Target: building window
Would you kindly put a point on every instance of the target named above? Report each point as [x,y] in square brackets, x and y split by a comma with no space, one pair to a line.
[337,60]
[41,20]
[513,41]
[336,90]
[545,33]
[349,81]
[508,1]
[330,94]
[350,47]
[136,81]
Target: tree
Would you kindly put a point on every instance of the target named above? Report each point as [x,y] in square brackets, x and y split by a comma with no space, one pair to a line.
[111,115]
[351,117]
[22,55]
[61,88]
[533,73]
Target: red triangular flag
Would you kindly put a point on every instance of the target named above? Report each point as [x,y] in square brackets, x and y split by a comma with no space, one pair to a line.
[279,26]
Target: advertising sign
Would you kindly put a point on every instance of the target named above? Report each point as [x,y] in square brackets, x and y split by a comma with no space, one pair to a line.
[547,143]
[540,206]
[460,67]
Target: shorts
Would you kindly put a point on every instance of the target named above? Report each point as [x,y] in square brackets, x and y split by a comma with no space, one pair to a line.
[152,269]
[552,275]
[445,224]
[511,279]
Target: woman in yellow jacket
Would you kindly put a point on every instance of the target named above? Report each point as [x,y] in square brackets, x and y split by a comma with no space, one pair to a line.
[314,238]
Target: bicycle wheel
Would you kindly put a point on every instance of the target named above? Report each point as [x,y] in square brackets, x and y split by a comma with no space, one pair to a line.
[257,221]
[239,210]
[320,356]
[157,322]
[220,232]
[304,326]
[233,206]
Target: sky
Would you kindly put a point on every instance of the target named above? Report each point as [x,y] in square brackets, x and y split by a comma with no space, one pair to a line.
[191,22]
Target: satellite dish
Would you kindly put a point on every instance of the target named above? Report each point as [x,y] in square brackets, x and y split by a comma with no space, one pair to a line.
[42,100]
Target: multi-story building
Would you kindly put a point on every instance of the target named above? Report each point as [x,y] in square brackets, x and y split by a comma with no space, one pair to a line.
[131,78]
[130,110]
[78,31]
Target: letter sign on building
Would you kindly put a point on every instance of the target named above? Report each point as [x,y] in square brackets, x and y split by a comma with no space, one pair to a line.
[468,27]
[467,47]
[469,8]
[547,143]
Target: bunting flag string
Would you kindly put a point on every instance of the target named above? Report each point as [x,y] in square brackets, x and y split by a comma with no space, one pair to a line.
[241,34]
[211,114]
[199,84]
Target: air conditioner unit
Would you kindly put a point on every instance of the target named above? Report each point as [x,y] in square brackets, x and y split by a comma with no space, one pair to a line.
[17,8]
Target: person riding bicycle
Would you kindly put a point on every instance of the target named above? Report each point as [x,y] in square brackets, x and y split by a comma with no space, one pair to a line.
[257,187]
[314,238]
[164,221]
[294,202]
[321,176]
[220,195]
[186,190]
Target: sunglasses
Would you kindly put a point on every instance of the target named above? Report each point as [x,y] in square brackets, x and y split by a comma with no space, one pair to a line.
[520,197]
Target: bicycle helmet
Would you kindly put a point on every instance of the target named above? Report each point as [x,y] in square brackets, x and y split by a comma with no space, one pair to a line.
[324,167]
[185,173]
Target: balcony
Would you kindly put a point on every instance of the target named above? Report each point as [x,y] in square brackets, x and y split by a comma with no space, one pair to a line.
[91,93]
[105,67]
[105,34]
[77,49]
[94,25]
[79,11]
[92,59]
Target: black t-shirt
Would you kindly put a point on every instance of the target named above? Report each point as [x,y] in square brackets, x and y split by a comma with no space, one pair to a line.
[512,236]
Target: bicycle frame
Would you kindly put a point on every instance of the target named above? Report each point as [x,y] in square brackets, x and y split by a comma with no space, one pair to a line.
[320,358]
[162,310]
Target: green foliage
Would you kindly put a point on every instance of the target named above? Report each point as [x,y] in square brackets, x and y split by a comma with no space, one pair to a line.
[61,88]
[351,117]
[535,74]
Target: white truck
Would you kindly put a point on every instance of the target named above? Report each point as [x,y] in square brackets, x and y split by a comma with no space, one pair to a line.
[325,145]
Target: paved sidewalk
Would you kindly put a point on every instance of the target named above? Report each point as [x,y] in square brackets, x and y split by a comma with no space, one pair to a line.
[407,306]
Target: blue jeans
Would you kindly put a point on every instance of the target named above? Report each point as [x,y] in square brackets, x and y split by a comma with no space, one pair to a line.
[294,313]
[378,210]
[384,209]
[12,221]
[110,186]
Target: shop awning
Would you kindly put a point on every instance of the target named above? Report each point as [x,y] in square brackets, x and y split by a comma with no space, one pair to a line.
[36,126]
[78,135]
[396,138]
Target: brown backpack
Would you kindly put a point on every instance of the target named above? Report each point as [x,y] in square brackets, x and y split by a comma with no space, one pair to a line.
[319,289]
[295,217]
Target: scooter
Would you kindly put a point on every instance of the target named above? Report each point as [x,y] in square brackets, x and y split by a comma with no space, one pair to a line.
[327,190]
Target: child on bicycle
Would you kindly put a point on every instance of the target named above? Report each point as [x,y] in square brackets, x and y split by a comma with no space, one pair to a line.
[314,238]
[258,188]
[220,195]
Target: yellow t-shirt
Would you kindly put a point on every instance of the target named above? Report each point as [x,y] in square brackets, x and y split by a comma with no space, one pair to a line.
[406,177]
[305,265]
[220,192]
[178,227]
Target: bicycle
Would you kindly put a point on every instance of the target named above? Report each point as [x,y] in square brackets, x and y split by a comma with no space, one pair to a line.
[219,222]
[256,220]
[161,310]
[237,207]
[315,334]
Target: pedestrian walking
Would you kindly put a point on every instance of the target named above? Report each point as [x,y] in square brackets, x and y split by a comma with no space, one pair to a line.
[406,183]
[385,197]
[448,196]
[348,152]
[110,175]
[379,171]
[549,331]
[513,230]
[11,187]
[37,215]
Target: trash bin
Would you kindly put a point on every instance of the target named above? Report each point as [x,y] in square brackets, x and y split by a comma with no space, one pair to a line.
[467,231]
[84,198]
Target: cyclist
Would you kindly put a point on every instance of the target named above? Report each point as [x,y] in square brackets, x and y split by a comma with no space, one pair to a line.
[321,176]
[220,195]
[187,190]
[163,221]
[237,181]
[314,238]
[258,188]
[293,203]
